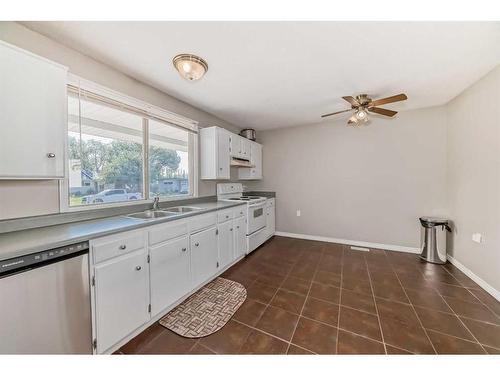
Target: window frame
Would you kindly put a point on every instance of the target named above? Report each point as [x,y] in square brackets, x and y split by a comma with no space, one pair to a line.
[147,111]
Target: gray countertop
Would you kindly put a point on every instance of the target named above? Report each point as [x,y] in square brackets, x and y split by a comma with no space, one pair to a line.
[266,194]
[22,242]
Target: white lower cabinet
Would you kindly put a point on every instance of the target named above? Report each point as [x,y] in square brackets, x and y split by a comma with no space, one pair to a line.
[139,274]
[121,297]
[240,237]
[170,273]
[225,243]
[270,217]
[204,255]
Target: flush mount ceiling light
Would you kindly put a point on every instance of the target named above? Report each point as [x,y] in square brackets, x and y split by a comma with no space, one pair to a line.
[190,67]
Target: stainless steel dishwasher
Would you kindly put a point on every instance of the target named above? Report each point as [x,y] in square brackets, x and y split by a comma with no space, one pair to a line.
[45,302]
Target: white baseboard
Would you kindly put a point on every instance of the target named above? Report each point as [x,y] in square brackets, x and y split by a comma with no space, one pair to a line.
[406,249]
[483,284]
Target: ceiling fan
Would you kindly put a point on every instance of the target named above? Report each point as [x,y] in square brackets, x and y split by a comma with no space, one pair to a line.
[363,103]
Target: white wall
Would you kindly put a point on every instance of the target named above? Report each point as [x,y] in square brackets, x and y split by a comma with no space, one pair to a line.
[366,184]
[474,176]
[42,198]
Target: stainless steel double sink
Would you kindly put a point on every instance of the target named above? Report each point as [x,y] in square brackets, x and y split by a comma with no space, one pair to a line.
[167,212]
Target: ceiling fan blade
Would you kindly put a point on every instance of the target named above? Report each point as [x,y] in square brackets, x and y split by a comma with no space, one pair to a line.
[382,111]
[390,99]
[352,101]
[334,113]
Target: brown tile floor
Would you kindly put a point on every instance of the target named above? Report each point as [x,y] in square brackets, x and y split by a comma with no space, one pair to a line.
[307,297]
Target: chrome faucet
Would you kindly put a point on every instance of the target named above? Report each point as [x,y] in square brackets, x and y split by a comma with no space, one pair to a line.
[156,203]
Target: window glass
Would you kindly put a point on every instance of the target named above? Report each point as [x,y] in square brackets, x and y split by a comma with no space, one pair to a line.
[168,160]
[105,149]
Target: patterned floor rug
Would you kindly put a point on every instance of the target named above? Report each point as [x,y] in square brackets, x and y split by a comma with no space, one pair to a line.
[207,310]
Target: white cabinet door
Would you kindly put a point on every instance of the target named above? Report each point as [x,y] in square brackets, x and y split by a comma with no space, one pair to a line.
[32,115]
[254,173]
[240,241]
[270,221]
[226,243]
[256,152]
[245,148]
[223,157]
[215,153]
[170,273]
[235,143]
[204,255]
[121,297]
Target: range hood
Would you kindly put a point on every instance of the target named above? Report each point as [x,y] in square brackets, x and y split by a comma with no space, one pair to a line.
[241,163]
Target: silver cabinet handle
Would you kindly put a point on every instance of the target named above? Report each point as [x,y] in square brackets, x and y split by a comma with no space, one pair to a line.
[51,155]
[138,268]
[238,227]
[123,247]
[197,244]
[184,249]
[231,229]
[220,168]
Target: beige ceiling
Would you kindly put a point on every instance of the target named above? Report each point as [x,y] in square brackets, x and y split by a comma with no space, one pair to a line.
[276,74]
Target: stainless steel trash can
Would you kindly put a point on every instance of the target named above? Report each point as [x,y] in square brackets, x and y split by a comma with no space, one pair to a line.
[433,239]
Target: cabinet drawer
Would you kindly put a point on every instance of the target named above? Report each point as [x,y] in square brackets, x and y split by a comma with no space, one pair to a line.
[200,222]
[224,215]
[240,211]
[165,232]
[118,244]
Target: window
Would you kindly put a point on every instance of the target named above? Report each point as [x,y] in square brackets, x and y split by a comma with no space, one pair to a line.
[168,160]
[118,153]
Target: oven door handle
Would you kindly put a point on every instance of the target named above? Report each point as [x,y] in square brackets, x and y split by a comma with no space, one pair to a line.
[258,205]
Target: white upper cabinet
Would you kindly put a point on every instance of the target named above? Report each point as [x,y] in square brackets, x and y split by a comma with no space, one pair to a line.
[254,173]
[218,146]
[235,145]
[245,148]
[239,146]
[215,156]
[32,115]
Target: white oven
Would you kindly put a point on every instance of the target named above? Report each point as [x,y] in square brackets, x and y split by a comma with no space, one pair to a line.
[256,217]
[256,212]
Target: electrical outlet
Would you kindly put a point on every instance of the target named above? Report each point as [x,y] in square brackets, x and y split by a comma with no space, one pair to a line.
[477,237]
[298,212]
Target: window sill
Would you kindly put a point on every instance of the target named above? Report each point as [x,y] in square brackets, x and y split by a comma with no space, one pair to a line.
[138,202]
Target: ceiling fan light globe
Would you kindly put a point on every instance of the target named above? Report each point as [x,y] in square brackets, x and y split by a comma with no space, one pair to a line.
[361,114]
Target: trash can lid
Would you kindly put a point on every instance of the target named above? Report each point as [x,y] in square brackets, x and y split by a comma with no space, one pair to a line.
[433,220]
